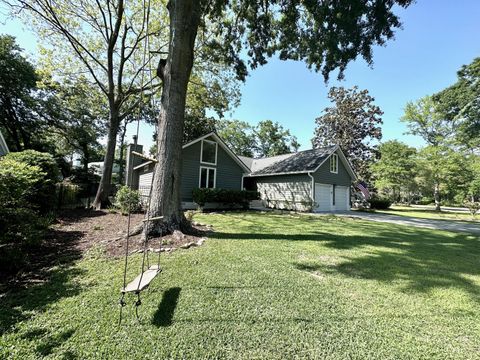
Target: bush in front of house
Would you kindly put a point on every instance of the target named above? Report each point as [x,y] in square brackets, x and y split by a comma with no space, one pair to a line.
[22,226]
[43,192]
[379,203]
[226,197]
[127,200]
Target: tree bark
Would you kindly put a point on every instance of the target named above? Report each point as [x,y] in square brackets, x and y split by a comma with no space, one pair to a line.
[101,199]
[166,201]
[121,167]
[436,196]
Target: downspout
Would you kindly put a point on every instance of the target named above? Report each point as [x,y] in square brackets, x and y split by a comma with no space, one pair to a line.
[312,190]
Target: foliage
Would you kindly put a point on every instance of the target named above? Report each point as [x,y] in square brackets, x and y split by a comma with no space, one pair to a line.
[19,105]
[472,206]
[239,136]
[460,104]
[224,197]
[127,200]
[379,203]
[43,193]
[267,138]
[272,139]
[396,169]
[424,119]
[353,123]
[21,226]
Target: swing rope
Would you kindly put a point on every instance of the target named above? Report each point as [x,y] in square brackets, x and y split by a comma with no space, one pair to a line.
[146,5]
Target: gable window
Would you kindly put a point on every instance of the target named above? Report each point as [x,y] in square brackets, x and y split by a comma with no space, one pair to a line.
[208,152]
[208,177]
[334,163]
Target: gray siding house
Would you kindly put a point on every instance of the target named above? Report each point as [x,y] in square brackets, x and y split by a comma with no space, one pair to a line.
[311,180]
[3,146]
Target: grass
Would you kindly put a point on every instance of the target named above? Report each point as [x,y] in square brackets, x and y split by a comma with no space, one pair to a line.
[429,214]
[265,286]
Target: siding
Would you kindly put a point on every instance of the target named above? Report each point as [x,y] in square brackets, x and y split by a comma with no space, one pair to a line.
[285,191]
[229,173]
[324,176]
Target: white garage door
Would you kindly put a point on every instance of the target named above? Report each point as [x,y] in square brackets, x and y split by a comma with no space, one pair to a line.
[342,194]
[323,197]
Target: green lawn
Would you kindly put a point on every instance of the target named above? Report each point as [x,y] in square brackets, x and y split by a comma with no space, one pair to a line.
[430,214]
[265,286]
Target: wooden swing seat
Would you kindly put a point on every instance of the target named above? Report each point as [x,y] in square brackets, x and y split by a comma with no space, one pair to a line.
[142,281]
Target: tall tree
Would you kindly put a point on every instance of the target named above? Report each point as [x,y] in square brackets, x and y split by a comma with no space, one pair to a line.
[272,139]
[78,119]
[460,104]
[107,41]
[353,123]
[396,169]
[424,119]
[440,166]
[18,82]
[326,35]
[238,135]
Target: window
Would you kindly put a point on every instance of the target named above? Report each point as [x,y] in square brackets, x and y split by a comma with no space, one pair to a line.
[334,163]
[207,177]
[209,152]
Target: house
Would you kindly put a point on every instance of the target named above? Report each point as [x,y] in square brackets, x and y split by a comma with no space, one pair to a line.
[3,146]
[310,180]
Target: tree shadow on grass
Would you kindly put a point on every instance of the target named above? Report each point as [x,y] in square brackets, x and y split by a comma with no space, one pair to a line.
[49,277]
[426,259]
[163,317]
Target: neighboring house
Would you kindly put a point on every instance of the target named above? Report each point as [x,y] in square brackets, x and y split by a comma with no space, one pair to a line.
[311,180]
[3,146]
[97,168]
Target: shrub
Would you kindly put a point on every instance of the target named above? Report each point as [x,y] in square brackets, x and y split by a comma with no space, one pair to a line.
[225,197]
[43,192]
[21,225]
[127,200]
[379,203]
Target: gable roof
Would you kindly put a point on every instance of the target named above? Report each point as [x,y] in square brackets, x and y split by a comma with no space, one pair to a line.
[3,145]
[224,147]
[297,163]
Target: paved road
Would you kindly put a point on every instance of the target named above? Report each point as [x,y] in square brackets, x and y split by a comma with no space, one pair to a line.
[449,225]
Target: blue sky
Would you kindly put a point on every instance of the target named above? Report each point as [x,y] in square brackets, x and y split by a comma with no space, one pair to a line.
[438,37]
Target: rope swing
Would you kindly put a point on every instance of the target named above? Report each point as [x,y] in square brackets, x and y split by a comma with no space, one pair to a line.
[148,272]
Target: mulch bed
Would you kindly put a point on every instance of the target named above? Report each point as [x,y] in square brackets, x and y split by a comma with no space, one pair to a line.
[77,231]
[109,230]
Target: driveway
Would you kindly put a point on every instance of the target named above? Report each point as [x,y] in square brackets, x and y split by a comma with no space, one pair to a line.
[449,225]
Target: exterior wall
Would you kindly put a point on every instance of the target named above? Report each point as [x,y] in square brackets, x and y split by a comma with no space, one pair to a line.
[324,176]
[228,174]
[286,191]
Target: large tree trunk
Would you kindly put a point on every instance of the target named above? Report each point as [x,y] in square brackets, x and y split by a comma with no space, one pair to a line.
[436,196]
[165,201]
[101,199]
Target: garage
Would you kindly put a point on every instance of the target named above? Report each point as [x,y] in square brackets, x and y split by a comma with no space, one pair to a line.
[332,197]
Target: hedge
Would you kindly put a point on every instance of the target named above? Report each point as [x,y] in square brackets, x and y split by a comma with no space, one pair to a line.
[22,226]
[43,192]
[225,197]
[379,203]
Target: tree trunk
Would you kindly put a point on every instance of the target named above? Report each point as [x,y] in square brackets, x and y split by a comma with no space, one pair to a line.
[101,199]
[436,196]
[166,201]
[121,167]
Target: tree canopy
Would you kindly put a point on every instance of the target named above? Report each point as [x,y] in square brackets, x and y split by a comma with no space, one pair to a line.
[353,123]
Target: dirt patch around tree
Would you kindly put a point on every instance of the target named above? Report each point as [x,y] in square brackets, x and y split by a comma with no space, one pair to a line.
[77,231]
[109,230]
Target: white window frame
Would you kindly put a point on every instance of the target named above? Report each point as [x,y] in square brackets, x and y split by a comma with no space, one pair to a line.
[335,170]
[214,177]
[201,152]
